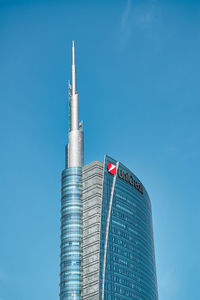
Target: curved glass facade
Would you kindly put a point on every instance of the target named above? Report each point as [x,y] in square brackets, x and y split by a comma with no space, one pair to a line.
[127,261]
[71,235]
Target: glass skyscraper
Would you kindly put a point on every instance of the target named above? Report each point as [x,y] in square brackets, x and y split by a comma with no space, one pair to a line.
[107,246]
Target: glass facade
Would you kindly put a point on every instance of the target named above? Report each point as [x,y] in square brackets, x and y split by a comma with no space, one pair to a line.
[71,235]
[127,261]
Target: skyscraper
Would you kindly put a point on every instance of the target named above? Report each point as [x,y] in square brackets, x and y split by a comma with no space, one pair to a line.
[107,247]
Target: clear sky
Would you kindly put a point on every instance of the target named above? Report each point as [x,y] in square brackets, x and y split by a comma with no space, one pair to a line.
[138,65]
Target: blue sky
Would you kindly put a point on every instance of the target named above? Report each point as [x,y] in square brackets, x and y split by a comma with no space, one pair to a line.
[138,67]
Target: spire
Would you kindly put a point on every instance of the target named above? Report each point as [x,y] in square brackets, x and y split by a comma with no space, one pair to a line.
[75,151]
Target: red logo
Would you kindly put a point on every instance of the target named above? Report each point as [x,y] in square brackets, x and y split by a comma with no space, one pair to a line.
[111,168]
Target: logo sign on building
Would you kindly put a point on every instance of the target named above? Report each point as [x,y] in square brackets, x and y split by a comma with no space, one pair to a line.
[111,168]
[125,176]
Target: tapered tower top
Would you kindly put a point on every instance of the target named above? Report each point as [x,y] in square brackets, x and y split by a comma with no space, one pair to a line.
[75,151]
